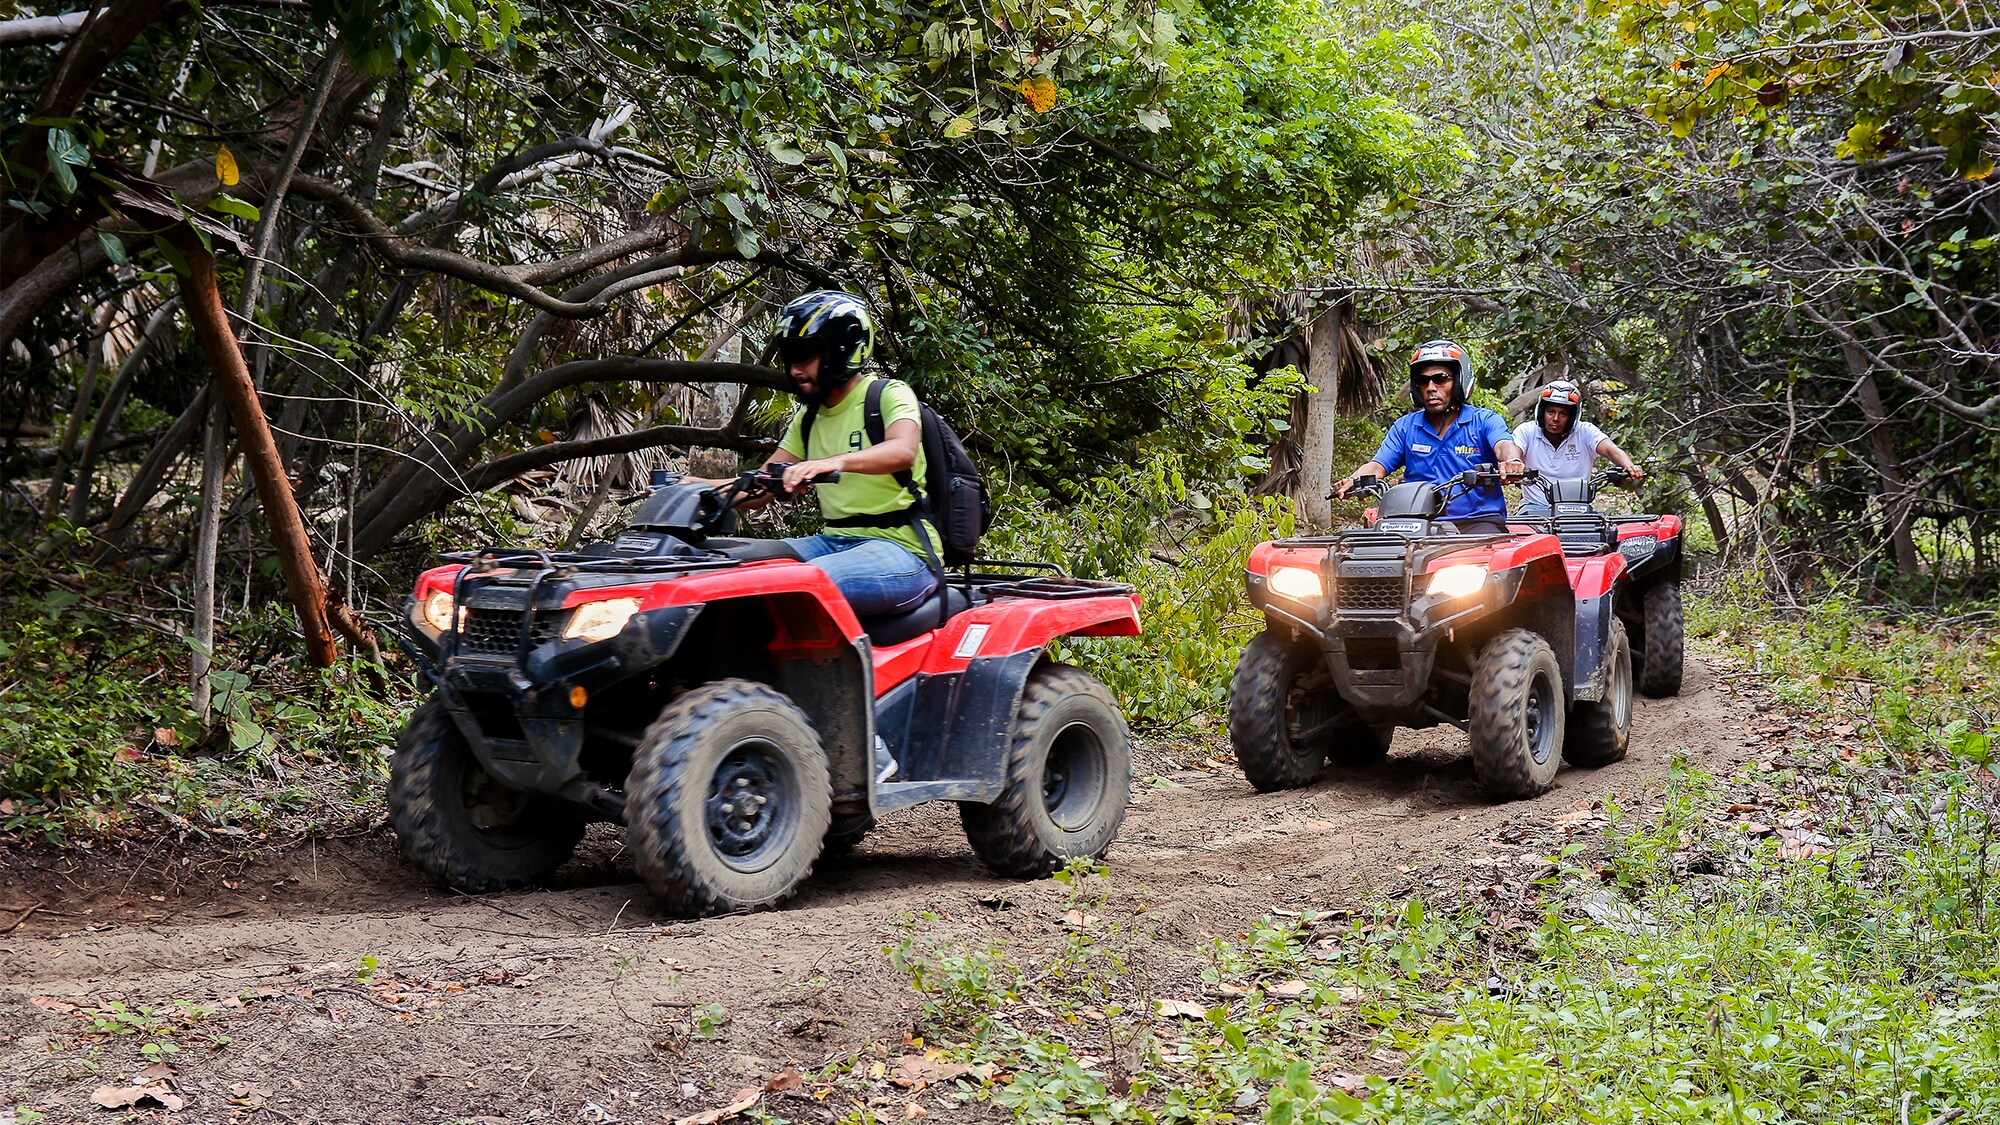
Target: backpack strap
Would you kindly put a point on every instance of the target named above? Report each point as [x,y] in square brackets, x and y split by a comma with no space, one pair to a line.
[806,431]
[878,431]
[919,509]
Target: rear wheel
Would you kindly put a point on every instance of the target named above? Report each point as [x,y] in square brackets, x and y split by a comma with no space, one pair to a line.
[729,800]
[1069,776]
[1279,729]
[1660,658]
[462,827]
[1517,710]
[1600,731]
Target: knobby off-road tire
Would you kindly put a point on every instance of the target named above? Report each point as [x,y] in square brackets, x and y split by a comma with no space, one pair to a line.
[1659,671]
[1600,732]
[461,827]
[728,801]
[1517,705]
[1268,710]
[1069,777]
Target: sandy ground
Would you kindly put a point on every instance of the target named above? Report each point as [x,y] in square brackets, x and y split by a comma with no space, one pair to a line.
[330,984]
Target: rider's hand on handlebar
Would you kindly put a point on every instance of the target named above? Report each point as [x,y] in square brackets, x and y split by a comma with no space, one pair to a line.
[1513,471]
[798,474]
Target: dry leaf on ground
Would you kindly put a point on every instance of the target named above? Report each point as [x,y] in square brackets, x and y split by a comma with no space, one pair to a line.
[744,1100]
[1289,990]
[125,1097]
[1186,1008]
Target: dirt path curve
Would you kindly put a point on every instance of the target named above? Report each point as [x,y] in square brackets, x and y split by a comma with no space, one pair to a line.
[330,985]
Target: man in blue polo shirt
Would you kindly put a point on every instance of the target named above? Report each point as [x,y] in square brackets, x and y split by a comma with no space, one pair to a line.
[1444,437]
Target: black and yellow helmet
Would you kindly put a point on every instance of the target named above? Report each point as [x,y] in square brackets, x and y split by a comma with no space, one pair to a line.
[832,325]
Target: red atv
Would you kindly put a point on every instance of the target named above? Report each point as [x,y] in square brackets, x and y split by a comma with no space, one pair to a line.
[1408,623]
[718,697]
[1649,590]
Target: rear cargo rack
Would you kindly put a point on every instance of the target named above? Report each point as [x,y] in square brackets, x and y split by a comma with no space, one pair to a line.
[1051,588]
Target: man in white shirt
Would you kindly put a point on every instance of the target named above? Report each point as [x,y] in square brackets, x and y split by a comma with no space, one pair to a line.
[1560,445]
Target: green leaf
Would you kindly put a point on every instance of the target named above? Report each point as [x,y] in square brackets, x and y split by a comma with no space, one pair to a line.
[114,248]
[1154,120]
[230,205]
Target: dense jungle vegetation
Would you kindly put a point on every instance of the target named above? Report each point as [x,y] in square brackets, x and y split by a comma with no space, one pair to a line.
[295,294]
[488,264]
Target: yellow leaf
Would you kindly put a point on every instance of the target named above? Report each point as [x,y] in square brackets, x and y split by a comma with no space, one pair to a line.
[1981,170]
[1040,92]
[1715,72]
[225,166]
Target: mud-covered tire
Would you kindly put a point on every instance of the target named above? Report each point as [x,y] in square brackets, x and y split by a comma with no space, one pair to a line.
[1660,657]
[1069,778]
[459,825]
[1600,731]
[711,750]
[1517,711]
[1261,725]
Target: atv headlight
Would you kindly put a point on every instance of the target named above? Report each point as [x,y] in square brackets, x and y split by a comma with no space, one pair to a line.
[600,621]
[438,610]
[1458,581]
[1297,583]
[1638,548]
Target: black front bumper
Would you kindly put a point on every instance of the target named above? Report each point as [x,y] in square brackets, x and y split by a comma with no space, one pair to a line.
[515,708]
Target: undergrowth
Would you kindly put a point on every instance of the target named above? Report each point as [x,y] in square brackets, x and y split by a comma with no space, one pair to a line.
[1682,964]
[99,735]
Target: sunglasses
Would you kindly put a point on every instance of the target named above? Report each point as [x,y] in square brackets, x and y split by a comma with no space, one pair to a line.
[1434,379]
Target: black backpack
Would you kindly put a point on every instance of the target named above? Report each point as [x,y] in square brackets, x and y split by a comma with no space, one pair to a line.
[953,495]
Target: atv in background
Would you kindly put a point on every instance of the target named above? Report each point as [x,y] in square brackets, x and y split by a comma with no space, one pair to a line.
[1649,590]
[1410,623]
[720,699]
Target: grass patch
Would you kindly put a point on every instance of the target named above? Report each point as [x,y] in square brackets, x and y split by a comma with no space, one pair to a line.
[1815,941]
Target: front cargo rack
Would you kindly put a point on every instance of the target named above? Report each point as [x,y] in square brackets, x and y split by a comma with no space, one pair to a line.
[498,558]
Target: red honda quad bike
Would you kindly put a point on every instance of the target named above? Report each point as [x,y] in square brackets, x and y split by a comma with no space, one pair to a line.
[1409,623]
[1649,591]
[718,697]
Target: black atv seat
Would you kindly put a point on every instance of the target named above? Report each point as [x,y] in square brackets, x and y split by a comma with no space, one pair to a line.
[752,550]
[895,628]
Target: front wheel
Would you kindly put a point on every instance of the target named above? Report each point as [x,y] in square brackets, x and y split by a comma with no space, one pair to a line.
[1600,731]
[728,800]
[1069,776]
[1661,657]
[1517,705]
[1279,729]
[462,827]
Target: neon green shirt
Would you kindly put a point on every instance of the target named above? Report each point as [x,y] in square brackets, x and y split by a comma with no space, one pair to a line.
[843,429]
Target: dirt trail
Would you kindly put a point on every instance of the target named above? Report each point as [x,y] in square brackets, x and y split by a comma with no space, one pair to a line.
[346,990]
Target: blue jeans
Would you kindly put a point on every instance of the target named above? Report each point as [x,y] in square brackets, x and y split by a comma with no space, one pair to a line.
[876,576]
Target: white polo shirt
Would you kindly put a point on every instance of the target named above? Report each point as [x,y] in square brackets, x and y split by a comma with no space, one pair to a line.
[1569,461]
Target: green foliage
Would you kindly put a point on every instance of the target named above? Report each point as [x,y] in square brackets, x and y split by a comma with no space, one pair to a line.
[1918,690]
[100,736]
[1193,611]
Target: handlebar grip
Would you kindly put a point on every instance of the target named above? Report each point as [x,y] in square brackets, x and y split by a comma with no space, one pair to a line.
[826,478]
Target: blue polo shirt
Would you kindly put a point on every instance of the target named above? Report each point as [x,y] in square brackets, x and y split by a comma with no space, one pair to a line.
[1424,454]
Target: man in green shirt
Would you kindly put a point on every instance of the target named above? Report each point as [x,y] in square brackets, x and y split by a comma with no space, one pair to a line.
[870,547]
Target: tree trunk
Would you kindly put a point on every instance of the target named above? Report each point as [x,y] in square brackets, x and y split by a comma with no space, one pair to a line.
[1322,418]
[1895,493]
[207,536]
[113,405]
[231,380]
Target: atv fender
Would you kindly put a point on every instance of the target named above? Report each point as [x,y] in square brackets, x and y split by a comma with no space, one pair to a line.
[950,732]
